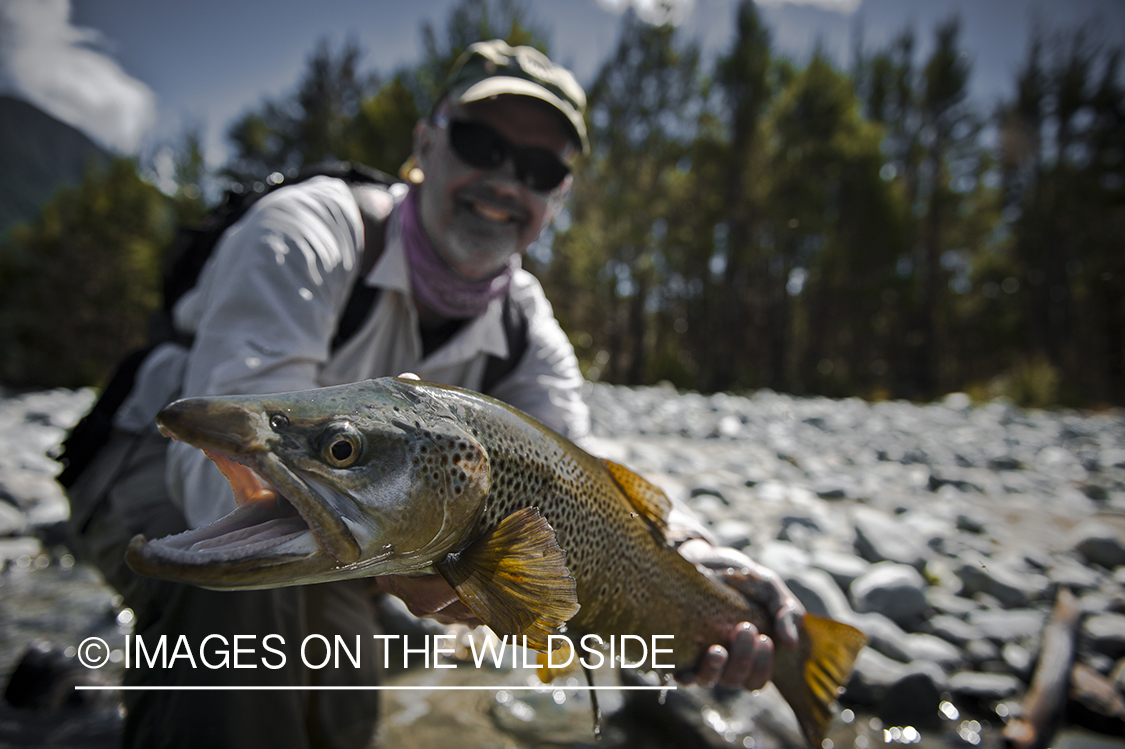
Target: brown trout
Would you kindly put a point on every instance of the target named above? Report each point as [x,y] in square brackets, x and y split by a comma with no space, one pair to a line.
[397,476]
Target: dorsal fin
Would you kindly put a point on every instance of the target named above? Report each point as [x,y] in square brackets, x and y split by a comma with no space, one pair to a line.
[650,502]
[514,578]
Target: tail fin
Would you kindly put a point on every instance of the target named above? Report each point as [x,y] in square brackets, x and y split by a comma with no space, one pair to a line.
[811,676]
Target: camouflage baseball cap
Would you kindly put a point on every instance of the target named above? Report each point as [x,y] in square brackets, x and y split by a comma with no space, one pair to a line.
[494,68]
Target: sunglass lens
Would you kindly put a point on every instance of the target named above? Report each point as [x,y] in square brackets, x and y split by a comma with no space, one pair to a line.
[540,169]
[478,145]
[481,147]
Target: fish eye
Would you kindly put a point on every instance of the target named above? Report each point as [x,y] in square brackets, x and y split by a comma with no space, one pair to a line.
[278,421]
[343,448]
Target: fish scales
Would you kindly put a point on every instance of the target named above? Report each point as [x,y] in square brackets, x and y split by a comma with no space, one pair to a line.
[629,580]
[400,477]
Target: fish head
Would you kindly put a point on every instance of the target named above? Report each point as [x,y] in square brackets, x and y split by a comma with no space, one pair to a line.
[357,480]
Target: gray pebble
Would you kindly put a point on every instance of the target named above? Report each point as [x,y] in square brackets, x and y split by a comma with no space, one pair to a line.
[820,594]
[882,538]
[953,630]
[1106,634]
[895,590]
[1098,543]
[983,686]
[843,567]
[12,521]
[1012,625]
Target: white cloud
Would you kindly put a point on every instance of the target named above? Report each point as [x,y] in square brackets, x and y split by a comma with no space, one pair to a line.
[58,68]
[844,7]
[674,12]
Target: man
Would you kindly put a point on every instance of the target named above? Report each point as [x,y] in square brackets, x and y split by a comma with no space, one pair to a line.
[492,169]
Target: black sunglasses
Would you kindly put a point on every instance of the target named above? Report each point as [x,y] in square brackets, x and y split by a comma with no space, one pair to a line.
[482,147]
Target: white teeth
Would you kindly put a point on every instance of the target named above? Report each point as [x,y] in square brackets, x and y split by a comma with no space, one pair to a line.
[491,213]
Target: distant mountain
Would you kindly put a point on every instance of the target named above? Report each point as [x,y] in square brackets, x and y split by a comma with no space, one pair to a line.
[38,154]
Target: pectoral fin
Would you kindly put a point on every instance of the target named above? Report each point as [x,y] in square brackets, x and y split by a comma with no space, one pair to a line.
[514,578]
[650,501]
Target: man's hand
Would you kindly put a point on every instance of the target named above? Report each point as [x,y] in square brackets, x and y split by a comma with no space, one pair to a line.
[429,597]
[747,660]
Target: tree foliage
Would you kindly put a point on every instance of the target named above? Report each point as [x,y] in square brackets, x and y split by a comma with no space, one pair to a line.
[755,223]
[79,284]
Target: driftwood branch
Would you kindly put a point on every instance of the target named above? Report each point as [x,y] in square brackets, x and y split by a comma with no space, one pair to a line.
[1044,701]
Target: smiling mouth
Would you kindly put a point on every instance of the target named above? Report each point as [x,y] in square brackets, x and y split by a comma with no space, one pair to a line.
[492,211]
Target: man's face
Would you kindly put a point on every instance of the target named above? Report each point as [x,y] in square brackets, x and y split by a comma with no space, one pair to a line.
[478,218]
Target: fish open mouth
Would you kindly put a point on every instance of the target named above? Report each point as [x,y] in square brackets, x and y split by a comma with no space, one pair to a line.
[281,516]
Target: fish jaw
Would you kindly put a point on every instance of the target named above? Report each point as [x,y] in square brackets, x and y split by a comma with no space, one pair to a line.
[326,489]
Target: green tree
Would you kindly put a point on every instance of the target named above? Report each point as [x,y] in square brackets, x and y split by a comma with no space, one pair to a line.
[1061,151]
[641,107]
[743,78]
[78,285]
[312,124]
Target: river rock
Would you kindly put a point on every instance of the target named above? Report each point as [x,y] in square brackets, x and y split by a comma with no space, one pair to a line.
[1106,634]
[12,521]
[953,630]
[1098,543]
[923,647]
[883,635]
[843,567]
[982,651]
[984,687]
[1068,573]
[948,602]
[895,590]
[820,594]
[882,538]
[1014,589]
[875,675]
[911,701]
[1011,625]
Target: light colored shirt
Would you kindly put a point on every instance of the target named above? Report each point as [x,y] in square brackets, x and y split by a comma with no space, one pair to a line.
[266,308]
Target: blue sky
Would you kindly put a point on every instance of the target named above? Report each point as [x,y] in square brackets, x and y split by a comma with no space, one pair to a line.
[131,73]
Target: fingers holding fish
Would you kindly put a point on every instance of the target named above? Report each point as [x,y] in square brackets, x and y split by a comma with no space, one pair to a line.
[759,584]
[745,661]
[429,597]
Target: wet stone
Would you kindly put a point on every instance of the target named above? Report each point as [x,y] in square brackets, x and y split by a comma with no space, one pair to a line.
[1106,634]
[1098,543]
[1068,573]
[974,685]
[1012,625]
[882,538]
[895,590]
[819,594]
[982,651]
[911,701]
[1012,588]
[843,567]
[953,630]
[12,521]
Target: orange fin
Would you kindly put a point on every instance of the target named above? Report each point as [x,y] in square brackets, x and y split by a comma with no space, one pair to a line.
[564,654]
[514,578]
[812,676]
[649,500]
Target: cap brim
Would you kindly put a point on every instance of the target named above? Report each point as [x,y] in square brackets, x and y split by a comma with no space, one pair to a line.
[500,85]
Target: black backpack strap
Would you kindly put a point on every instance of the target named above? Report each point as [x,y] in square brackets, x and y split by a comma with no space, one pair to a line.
[89,434]
[363,297]
[516,327]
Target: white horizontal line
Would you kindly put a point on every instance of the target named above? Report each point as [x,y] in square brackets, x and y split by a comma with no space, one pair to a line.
[544,688]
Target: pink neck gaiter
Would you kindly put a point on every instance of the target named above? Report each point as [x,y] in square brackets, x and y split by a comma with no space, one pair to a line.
[434,282]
